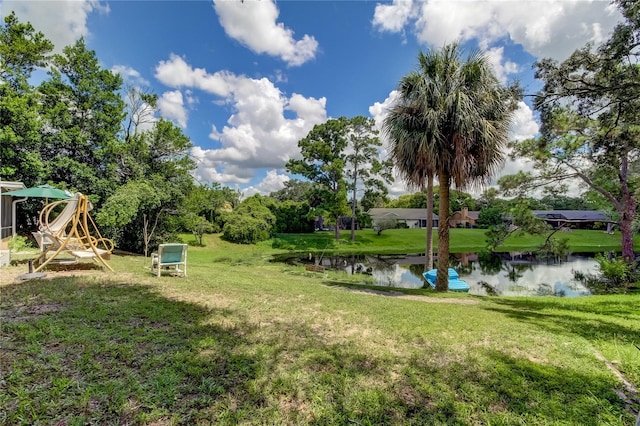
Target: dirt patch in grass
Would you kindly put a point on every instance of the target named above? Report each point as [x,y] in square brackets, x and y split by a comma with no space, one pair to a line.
[425,299]
[23,313]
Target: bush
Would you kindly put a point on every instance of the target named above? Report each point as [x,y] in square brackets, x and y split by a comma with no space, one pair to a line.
[18,243]
[198,226]
[488,217]
[614,269]
[380,225]
[244,229]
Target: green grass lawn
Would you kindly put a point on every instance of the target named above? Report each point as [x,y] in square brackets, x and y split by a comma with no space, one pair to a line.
[408,241]
[244,341]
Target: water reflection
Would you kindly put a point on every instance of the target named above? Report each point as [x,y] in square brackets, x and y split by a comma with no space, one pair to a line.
[508,274]
[518,275]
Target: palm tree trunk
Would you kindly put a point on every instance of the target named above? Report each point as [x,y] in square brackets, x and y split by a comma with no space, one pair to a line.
[353,212]
[442,278]
[429,249]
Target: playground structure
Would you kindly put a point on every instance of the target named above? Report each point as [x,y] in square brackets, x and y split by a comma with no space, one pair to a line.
[72,232]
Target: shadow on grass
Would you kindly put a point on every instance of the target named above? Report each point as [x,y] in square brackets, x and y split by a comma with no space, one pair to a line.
[592,320]
[76,352]
[98,353]
[386,290]
[500,389]
[311,380]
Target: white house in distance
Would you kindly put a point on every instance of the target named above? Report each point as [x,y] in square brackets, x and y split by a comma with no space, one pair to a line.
[7,218]
[413,218]
[417,218]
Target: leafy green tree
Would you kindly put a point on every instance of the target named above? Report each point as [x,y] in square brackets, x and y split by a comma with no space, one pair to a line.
[373,199]
[294,190]
[465,114]
[323,163]
[363,165]
[417,200]
[83,112]
[564,202]
[489,199]
[139,203]
[490,216]
[22,50]
[160,167]
[252,221]
[459,200]
[293,217]
[589,107]
[198,225]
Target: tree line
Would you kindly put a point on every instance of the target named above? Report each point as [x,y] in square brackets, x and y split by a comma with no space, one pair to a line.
[81,129]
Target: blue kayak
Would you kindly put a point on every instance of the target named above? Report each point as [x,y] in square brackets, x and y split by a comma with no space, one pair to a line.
[455,283]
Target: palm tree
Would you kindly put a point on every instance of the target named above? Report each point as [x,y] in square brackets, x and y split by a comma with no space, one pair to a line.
[455,123]
[412,156]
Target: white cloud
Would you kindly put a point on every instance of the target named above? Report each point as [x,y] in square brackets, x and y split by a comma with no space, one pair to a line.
[254,24]
[524,124]
[130,75]
[191,98]
[551,28]
[61,21]
[272,182]
[177,73]
[171,106]
[208,169]
[393,17]
[257,134]
[502,68]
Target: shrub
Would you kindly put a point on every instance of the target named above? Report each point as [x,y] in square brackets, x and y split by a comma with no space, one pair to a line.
[614,269]
[380,225]
[245,229]
[18,243]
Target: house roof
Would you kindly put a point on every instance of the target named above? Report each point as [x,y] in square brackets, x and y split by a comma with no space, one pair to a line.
[400,214]
[566,215]
[572,215]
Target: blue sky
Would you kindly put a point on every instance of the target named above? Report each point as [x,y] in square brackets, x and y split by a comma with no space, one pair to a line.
[247,80]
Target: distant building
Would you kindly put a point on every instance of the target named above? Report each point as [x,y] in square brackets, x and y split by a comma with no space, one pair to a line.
[417,218]
[464,219]
[578,219]
[413,218]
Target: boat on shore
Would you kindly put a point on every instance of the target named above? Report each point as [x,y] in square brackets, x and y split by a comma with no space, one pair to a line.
[455,283]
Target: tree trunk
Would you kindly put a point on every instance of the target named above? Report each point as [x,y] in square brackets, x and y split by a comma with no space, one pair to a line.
[626,230]
[145,227]
[442,278]
[628,213]
[429,249]
[337,227]
[353,213]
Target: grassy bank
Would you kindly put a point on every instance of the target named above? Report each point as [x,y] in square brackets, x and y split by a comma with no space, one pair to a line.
[407,241]
[241,341]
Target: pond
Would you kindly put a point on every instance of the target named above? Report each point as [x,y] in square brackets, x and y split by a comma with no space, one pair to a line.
[505,274]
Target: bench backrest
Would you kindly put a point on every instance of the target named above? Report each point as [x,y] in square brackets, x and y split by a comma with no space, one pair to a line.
[171,253]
